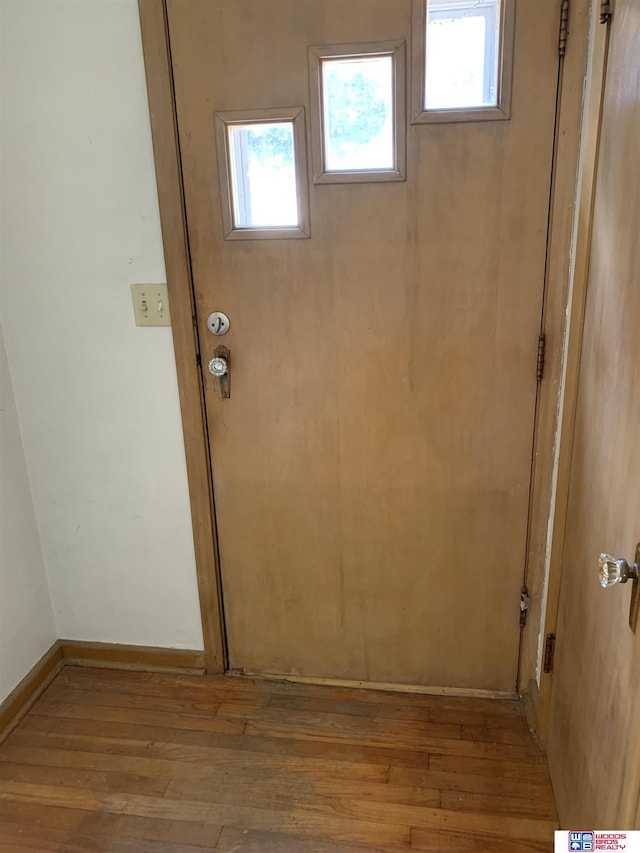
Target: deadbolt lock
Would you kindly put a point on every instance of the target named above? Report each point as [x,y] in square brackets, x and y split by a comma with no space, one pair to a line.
[218,323]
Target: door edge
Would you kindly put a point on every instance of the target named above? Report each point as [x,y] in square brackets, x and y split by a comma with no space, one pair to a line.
[168,169]
[557,305]
[578,242]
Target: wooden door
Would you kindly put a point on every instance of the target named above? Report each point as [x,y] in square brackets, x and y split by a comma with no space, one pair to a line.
[372,466]
[594,728]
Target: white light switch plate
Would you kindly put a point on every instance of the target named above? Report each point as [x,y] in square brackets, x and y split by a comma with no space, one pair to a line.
[151,304]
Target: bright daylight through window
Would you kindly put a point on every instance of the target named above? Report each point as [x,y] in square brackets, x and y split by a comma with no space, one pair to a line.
[462,54]
[263,175]
[358,113]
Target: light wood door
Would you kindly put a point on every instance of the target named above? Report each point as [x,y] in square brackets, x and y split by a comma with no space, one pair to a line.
[371,469]
[594,728]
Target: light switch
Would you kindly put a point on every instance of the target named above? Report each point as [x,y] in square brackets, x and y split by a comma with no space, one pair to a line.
[151,304]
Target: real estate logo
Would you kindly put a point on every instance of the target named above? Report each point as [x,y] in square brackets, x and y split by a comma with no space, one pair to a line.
[579,841]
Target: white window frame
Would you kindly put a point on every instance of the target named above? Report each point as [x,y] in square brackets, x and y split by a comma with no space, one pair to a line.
[502,110]
[226,120]
[396,50]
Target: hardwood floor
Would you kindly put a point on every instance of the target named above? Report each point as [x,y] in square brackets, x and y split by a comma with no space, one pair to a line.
[134,762]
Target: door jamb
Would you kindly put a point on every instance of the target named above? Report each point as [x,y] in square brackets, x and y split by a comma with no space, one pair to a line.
[598,46]
[557,305]
[159,76]
[166,150]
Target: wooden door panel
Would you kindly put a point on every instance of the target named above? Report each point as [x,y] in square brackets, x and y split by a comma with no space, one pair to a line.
[372,467]
[594,730]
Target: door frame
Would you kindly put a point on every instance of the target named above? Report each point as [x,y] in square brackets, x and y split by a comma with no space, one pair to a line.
[543,495]
[595,81]
[175,239]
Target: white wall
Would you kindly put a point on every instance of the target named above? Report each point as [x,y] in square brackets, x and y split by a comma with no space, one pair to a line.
[97,397]
[27,627]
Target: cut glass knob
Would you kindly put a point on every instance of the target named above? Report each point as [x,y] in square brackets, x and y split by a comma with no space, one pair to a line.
[612,571]
[218,366]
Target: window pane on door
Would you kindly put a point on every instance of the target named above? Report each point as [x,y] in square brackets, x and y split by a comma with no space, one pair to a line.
[358,114]
[263,175]
[462,54]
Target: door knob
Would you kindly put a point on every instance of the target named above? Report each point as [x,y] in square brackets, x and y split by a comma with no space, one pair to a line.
[220,366]
[612,571]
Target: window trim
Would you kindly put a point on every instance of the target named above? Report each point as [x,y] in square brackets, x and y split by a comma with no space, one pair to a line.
[396,50]
[501,112]
[225,120]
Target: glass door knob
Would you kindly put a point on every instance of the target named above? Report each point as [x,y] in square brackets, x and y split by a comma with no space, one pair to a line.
[218,366]
[612,571]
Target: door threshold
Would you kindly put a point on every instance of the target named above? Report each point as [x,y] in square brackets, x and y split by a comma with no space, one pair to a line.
[391,687]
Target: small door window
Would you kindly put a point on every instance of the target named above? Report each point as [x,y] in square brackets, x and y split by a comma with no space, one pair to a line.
[263,174]
[462,59]
[358,112]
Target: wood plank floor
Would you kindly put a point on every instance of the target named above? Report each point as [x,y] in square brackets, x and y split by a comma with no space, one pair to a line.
[133,762]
